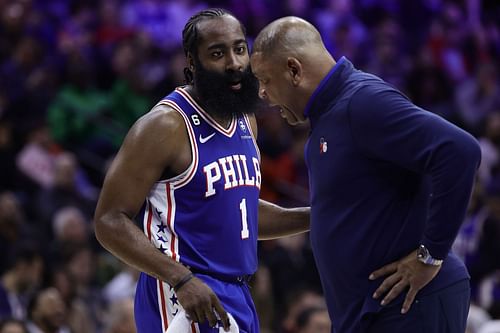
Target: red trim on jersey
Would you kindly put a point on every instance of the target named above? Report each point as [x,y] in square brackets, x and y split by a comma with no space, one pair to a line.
[192,139]
[205,115]
[193,328]
[163,306]
[150,217]
[169,221]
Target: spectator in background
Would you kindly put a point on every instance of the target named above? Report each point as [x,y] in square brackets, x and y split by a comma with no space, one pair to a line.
[297,301]
[254,14]
[78,114]
[16,71]
[477,98]
[122,285]
[275,141]
[70,226]
[14,23]
[110,31]
[28,73]
[37,158]
[12,225]
[476,318]
[120,317]
[47,312]
[313,320]
[428,85]
[285,181]
[343,32]
[445,40]
[79,319]
[22,276]
[388,59]
[79,261]
[12,326]
[490,148]
[129,96]
[466,243]
[488,248]
[69,189]
[263,296]
[75,36]
[296,7]
[179,13]
[291,257]
[161,20]
[9,175]
[493,325]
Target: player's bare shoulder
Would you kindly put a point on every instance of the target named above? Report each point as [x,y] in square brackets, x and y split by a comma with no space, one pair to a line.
[161,124]
[159,136]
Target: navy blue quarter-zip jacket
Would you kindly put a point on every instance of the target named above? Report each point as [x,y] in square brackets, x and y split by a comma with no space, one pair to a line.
[385,177]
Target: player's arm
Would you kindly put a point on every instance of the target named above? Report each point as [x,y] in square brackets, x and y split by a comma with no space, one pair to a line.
[151,146]
[276,221]
[144,155]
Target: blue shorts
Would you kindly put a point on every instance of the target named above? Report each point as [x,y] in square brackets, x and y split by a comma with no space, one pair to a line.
[443,311]
[156,305]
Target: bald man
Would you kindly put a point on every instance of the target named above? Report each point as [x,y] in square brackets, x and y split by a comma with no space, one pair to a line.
[389,185]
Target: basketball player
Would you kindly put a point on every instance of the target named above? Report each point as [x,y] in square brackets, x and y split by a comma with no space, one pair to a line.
[189,172]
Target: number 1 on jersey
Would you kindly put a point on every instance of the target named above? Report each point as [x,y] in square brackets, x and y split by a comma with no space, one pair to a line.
[243,209]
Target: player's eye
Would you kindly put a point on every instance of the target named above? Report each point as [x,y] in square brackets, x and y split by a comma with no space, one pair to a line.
[216,54]
[240,49]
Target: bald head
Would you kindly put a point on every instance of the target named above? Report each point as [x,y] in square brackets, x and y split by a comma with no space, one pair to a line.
[290,60]
[288,35]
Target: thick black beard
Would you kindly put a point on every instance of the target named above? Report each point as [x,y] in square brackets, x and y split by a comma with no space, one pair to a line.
[217,97]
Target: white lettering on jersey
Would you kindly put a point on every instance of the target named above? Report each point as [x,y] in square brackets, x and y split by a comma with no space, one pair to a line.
[211,177]
[248,181]
[233,176]
[229,172]
[258,178]
[236,159]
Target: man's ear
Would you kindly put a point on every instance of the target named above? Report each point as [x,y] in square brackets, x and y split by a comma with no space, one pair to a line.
[294,68]
[190,61]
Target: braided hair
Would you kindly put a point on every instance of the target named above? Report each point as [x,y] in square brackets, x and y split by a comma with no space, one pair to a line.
[190,33]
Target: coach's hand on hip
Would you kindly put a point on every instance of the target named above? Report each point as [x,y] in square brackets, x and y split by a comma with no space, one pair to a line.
[407,272]
[200,303]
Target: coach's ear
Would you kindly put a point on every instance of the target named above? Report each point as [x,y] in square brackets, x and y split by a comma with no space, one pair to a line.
[294,68]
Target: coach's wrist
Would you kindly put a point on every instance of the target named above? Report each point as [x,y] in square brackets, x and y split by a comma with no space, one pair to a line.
[424,256]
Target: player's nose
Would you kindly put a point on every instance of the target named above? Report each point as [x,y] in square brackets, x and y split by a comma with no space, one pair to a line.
[233,62]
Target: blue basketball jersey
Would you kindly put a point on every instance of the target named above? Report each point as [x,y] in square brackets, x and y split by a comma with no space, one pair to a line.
[206,217]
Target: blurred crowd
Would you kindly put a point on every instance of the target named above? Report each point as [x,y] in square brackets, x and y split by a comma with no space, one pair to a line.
[75,75]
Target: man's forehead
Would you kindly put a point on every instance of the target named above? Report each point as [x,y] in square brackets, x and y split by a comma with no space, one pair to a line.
[224,29]
[258,63]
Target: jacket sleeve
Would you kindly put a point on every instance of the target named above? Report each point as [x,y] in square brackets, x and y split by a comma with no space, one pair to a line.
[386,125]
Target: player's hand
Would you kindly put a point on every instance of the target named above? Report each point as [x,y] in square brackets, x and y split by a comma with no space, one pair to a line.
[201,303]
[402,274]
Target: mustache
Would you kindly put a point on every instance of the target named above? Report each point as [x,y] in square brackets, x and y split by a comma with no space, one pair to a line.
[235,76]
[231,76]
[218,97]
